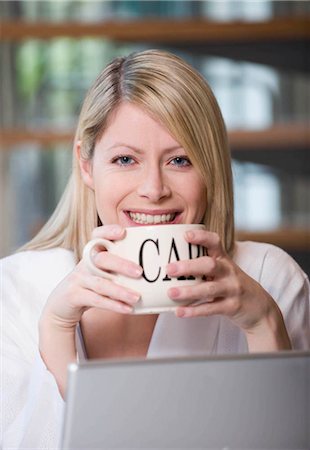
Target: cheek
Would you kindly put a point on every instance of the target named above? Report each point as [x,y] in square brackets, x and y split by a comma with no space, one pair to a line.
[198,190]
[199,200]
[103,196]
[109,192]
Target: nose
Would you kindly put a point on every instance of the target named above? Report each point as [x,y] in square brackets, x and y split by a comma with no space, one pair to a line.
[152,185]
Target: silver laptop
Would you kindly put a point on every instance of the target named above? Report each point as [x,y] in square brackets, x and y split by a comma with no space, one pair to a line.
[247,402]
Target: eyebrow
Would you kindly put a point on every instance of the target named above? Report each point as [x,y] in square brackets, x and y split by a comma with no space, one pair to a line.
[139,150]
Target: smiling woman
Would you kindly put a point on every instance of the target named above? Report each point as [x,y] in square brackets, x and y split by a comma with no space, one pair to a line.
[150,149]
[142,181]
[179,102]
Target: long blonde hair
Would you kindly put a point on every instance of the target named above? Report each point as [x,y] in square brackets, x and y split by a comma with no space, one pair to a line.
[170,90]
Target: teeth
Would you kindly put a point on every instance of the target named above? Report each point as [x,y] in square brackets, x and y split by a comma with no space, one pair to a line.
[149,219]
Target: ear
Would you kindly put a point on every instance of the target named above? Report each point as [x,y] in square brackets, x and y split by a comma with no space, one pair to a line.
[85,166]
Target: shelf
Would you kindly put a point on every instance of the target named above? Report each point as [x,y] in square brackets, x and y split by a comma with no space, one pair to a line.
[16,137]
[291,239]
[280,42]
[280,137]
[163,30]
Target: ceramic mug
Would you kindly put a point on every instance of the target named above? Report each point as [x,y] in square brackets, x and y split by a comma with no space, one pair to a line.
[152,247]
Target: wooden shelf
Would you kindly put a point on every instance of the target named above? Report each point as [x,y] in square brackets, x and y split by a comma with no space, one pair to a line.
[292,239]
[17,137]
[163,30]
[281,42]
[279,137]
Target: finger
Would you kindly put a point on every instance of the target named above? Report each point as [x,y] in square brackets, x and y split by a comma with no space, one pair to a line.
[207,292]
[91,299]
[111,232]
[203,310]
[208,239]
[110,289]
[113,263]
[205,265]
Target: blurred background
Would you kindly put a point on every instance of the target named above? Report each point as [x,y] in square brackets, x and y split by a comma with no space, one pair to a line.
[254,54]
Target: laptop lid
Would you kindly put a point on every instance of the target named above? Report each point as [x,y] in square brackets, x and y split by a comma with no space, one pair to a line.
[248,402]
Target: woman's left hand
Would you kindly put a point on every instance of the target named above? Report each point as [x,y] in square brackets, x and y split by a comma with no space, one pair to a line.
[229,291]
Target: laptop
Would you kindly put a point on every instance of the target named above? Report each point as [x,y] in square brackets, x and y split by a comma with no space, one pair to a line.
[257,401]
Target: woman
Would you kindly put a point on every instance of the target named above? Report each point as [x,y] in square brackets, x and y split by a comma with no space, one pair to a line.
[150,142]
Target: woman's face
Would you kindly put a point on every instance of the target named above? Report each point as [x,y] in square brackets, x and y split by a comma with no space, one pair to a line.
[141,176]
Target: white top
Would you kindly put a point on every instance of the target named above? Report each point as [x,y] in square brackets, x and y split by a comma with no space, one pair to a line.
[31,404]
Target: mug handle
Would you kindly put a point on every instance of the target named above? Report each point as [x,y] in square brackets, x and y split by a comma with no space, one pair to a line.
[90,251]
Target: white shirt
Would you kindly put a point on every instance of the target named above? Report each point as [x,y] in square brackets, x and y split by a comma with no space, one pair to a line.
[32,406]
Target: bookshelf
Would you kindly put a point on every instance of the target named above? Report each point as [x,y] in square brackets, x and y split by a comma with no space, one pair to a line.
[164,31]
[281,41]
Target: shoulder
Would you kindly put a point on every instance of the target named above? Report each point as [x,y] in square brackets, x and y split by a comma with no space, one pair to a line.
[279,274]
[38,256]
[262,260]
[27,279]
[39,265]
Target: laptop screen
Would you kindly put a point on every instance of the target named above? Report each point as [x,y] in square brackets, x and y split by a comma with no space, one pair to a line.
[248,402]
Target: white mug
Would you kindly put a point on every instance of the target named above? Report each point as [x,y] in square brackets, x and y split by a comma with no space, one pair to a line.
[152,247]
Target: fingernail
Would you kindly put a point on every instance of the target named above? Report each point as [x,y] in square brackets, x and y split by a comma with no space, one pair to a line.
[126,308]
[135,271]
[189,234]
[172,269]
[116,230]
[180,312]
[133,296]
[174,292]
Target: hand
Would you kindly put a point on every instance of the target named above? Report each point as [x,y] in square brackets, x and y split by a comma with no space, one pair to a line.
[81,290]
[229,291]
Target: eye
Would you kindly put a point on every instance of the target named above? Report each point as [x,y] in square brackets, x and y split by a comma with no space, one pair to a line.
[123,160]
[180,161]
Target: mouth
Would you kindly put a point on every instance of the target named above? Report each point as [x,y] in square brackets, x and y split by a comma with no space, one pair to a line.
[153,218]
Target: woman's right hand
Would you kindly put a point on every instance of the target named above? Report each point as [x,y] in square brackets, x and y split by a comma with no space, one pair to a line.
[81,290]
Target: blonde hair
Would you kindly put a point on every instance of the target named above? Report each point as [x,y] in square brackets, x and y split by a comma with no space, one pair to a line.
[174,93]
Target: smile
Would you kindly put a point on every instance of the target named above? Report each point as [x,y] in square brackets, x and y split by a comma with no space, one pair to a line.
[146,219]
